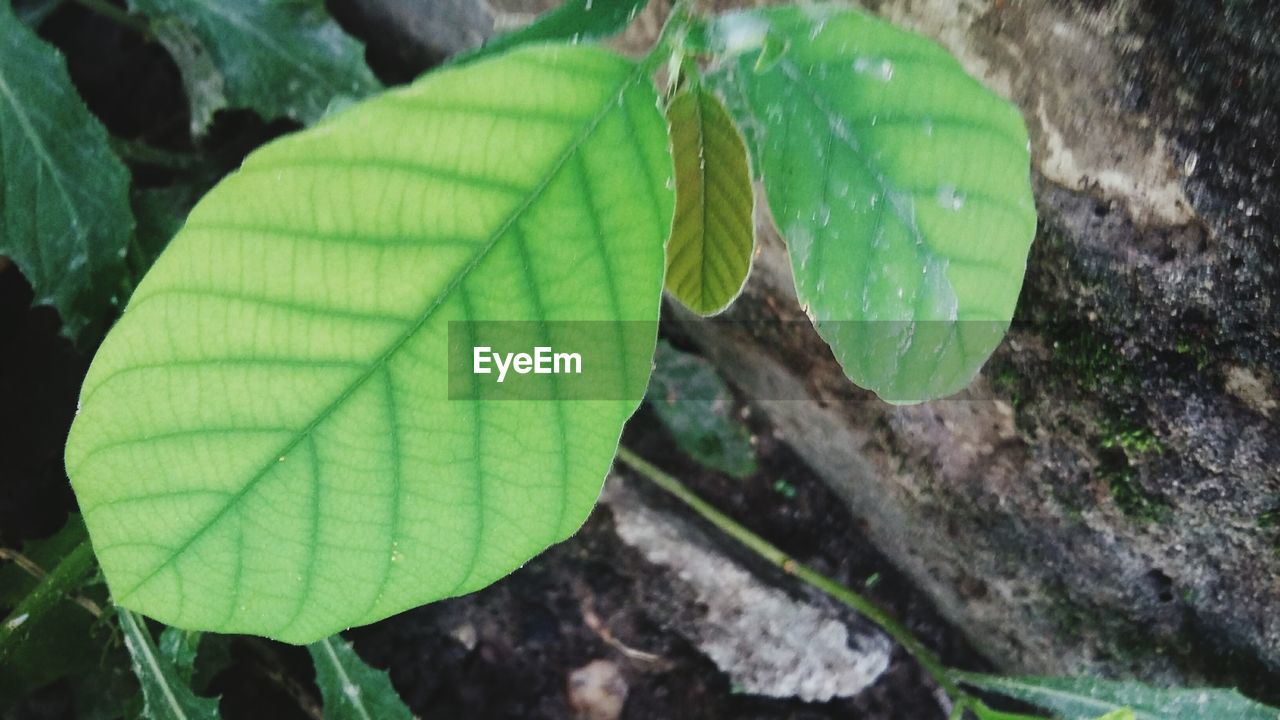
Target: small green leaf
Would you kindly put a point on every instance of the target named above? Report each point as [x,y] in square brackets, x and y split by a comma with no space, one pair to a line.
[266,443]
[900,184]
[281,59]
[351,689]
[712,237]
[573,21]
[64,203]
[167,695]
[180,648]
[689,397]
[1086,699]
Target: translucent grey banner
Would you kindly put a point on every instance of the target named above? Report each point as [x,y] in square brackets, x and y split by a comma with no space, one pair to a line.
[565,360]
[609,360]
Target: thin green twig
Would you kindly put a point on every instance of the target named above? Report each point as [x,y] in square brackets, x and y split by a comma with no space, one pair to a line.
[140,152]
[56,584]
[927,659]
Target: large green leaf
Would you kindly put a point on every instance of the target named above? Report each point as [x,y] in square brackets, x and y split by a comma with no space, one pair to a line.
[266,443]
[1087,699]
[64,197]
[351,689]
[572,21]
[713,235]
[900,184]
[166,693]
[282,58]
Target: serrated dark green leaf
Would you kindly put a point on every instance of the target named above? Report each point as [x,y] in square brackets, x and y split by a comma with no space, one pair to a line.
[692,401]
[900,184]
[712,236]
[1088,699]
[167,696]
[64,207]
[202,81]
[351,689]
[280,58]
[572,21]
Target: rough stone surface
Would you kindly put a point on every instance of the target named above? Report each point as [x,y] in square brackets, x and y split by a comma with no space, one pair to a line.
[1104,499]
[766,641]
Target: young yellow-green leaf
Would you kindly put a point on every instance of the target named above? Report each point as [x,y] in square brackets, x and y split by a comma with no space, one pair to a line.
[350,688]
[1087,699]
[266,443]
[64,197]
[572,21]
[166,695]
[712,237]
[900,184]
[281,58]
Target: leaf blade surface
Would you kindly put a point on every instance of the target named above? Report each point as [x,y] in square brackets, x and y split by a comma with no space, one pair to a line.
[266,444]
[1088,699]
[281,59]
[900,184]
[64,208]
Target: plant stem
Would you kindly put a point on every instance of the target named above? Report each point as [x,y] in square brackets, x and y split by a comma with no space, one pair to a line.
[59,582]
[788,564]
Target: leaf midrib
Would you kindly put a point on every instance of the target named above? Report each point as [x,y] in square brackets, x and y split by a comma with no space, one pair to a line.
[381,361]
[131,627]
[353,699]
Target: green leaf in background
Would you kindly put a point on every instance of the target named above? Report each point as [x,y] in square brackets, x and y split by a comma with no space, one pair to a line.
[34,13]
[350,688]
[160,213]
[202,81]
[692,401]
[573,21]
[900,184]
[45,635]
[166,694]
[982,712]
[281,58]
[180,648]
[712,236]
[265,443]
[64,202]
[1087,699]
